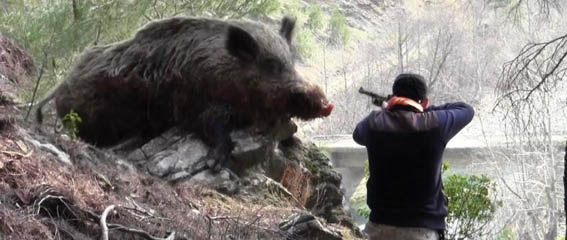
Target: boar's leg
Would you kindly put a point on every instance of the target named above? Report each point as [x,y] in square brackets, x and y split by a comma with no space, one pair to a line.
[215,130]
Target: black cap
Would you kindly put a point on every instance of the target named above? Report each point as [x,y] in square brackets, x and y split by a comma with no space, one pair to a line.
[410,85]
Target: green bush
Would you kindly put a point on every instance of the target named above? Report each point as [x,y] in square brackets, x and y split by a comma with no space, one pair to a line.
[505,234]
[315,18]
[305,43]
[71,123]
[339,30]
[471,205]
[364,211]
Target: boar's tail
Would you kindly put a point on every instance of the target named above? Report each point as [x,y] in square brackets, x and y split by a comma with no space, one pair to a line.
[45,100]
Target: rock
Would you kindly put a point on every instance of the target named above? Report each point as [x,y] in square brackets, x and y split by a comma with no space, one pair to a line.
[175,156]
[61,156]
[163,163]
[275,165]
[170,155]
[250,149]
[223,181]
[323,197]
[306,226]
[285,130]
[86,153]
[332,177]
[179,175]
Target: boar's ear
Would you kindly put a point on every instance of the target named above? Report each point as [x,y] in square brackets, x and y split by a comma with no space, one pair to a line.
[288,24]
[241,44]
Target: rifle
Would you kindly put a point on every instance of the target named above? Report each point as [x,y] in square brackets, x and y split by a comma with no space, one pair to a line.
[376,99]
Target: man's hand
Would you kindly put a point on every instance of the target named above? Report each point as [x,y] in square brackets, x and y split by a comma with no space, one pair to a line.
[380,102]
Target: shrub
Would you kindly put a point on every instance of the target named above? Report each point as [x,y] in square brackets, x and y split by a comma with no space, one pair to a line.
[339,30]
[71,123]
[315,18]
[471,205]
[305,43]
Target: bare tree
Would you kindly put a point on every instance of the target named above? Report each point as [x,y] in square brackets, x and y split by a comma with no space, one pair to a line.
[544,6]
[443,47]
[537,67]
[402,41]
[528,88]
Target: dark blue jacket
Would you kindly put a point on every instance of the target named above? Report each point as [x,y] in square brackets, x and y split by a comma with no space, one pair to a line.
[405,151]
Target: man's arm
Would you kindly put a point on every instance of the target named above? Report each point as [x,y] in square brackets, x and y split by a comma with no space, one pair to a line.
[453,117]
[360,134]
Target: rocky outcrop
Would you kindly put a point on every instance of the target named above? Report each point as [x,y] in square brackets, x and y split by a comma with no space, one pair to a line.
[323,197]
[297,170]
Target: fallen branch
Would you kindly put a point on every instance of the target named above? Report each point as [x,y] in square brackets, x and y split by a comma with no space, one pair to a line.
[103,222]
[105,226]
[51,194]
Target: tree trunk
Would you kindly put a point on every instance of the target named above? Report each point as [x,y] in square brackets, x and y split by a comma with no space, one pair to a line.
[400,48]
[76,14]
[325,65]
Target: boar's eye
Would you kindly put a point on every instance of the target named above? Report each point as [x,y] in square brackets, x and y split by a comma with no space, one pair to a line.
[271,66]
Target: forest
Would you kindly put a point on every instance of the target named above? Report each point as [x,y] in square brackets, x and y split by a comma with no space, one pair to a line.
[506,58]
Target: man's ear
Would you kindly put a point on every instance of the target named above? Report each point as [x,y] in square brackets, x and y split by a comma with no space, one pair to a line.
[241,44]
[425,103]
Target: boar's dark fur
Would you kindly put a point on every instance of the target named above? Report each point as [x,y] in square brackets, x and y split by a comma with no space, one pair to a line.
[203,75]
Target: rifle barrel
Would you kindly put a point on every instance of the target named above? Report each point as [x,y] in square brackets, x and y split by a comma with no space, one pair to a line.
[377,99]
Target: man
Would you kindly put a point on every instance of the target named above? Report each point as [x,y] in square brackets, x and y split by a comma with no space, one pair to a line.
[405,144]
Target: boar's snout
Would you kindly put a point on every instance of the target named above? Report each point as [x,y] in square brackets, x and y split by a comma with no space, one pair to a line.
[309,103]
[327,109]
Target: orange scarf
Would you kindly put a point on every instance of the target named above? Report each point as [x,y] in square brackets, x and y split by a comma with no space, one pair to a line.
[396,101]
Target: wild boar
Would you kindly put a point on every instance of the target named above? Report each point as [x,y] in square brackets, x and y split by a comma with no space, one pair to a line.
[203,75]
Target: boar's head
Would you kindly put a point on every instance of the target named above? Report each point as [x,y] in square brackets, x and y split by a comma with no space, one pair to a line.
[267,80]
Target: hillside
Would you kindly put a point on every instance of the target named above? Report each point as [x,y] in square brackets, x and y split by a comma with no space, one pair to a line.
[55,186]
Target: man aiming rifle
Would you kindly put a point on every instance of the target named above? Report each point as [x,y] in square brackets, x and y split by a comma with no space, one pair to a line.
[405,142]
